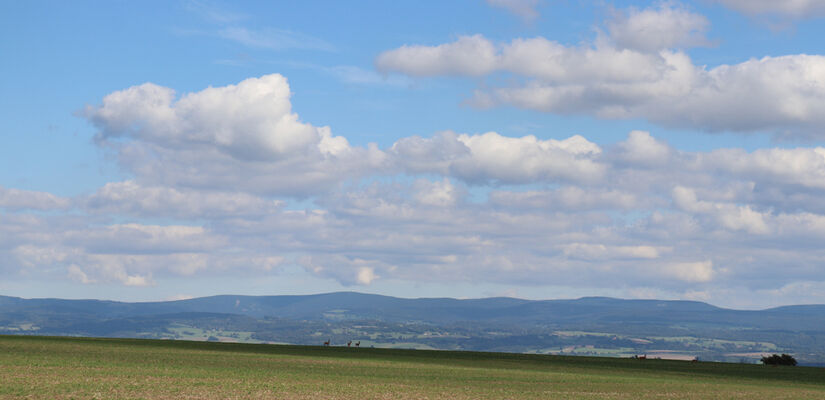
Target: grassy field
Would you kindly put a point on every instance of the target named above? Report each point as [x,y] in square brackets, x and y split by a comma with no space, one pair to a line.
[49,367]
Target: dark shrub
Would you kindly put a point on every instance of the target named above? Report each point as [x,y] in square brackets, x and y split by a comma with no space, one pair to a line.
[784,359]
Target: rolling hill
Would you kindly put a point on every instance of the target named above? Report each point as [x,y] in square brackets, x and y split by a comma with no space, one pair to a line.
[498,324]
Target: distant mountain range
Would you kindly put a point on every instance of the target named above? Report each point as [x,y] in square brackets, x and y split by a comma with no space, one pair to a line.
[351,305]
[479,324]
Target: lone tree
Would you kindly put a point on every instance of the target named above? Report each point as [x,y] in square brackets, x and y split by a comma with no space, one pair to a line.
[784,359]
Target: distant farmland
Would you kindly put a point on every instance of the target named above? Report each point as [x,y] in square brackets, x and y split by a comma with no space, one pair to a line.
[50,367]
[598,327]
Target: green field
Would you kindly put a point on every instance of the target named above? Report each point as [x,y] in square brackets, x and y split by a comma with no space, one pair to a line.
[50,367]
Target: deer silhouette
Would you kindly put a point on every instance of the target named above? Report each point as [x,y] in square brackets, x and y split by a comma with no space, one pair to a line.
[358,343]
[326,343]
[349,343]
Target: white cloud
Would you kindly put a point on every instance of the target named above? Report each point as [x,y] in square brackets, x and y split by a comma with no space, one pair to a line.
[252,120]
[730,216]
[806,292]
[133,254]
[16,199]
[438,194]
[131,198]
[366,275]
[651,29]
[77,274]
[694,272]
[568,199]
[635,71]
[536,57]
[491,157]
[780,95]
[144,239]
[803,225]
[642,149]
[803,166]
[242,136]
[469,55]
[588,251]
[791,8]
[33,256]
[525,9]
[90,268]
[179,297]
[128,270]
[500,158]
[137,280]
[349,271]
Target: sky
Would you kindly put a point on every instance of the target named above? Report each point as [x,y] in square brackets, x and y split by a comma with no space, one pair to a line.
[539,149]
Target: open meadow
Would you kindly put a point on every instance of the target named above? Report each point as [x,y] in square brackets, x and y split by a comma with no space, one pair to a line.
[51,367]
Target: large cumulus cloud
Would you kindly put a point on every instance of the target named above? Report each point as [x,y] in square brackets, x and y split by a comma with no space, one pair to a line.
[637,68]
[212,137]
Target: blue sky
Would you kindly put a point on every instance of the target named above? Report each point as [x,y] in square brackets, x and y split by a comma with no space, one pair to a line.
[540,149]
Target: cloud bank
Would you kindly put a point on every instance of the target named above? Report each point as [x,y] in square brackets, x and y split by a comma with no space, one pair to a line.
[637,68]
[215,172]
